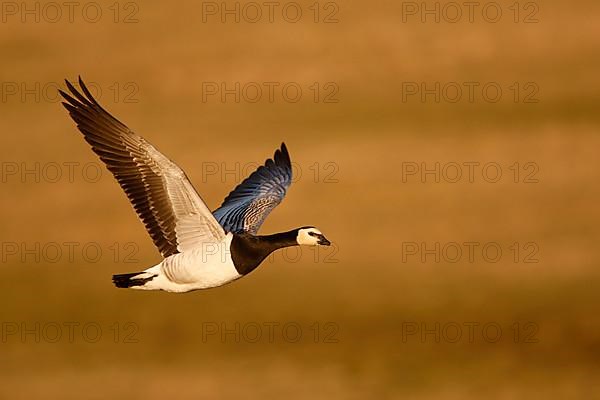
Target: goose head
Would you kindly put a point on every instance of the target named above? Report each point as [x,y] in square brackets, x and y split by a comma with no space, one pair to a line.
[311,236]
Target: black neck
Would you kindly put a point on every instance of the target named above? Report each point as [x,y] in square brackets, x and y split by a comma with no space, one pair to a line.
[280,240]
[248,251]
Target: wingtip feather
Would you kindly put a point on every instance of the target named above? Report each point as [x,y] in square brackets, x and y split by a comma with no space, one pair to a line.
[282,156]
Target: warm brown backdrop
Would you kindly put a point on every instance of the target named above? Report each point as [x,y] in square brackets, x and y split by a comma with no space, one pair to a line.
[370,295]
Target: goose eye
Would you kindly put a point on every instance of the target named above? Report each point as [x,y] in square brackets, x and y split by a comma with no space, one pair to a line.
[312,234]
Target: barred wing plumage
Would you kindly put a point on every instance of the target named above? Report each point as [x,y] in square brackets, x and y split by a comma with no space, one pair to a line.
[173,213]
[247,206]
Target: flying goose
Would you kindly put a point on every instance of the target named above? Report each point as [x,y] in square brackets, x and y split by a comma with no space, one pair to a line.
[200,249]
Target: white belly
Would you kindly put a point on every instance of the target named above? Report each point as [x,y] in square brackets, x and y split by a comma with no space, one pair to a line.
[199,268]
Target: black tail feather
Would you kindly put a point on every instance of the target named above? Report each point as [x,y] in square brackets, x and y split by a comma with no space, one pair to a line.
[125,280]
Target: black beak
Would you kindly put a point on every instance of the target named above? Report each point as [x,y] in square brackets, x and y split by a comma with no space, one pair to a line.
[323,241]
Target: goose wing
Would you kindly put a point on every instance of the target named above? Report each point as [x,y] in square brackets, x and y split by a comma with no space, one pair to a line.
[172,211]
[247,206]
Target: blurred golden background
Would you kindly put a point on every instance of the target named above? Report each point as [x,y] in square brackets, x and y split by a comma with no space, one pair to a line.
[385,313]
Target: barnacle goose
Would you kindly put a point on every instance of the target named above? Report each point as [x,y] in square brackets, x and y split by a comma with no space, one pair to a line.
[200,249]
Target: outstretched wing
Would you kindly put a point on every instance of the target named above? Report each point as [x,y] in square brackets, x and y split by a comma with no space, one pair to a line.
[247,206]
[174,214]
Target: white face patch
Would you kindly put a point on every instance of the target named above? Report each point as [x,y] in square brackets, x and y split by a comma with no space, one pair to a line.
[304,237]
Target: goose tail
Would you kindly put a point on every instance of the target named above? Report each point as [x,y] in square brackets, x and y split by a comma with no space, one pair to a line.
[132,279]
